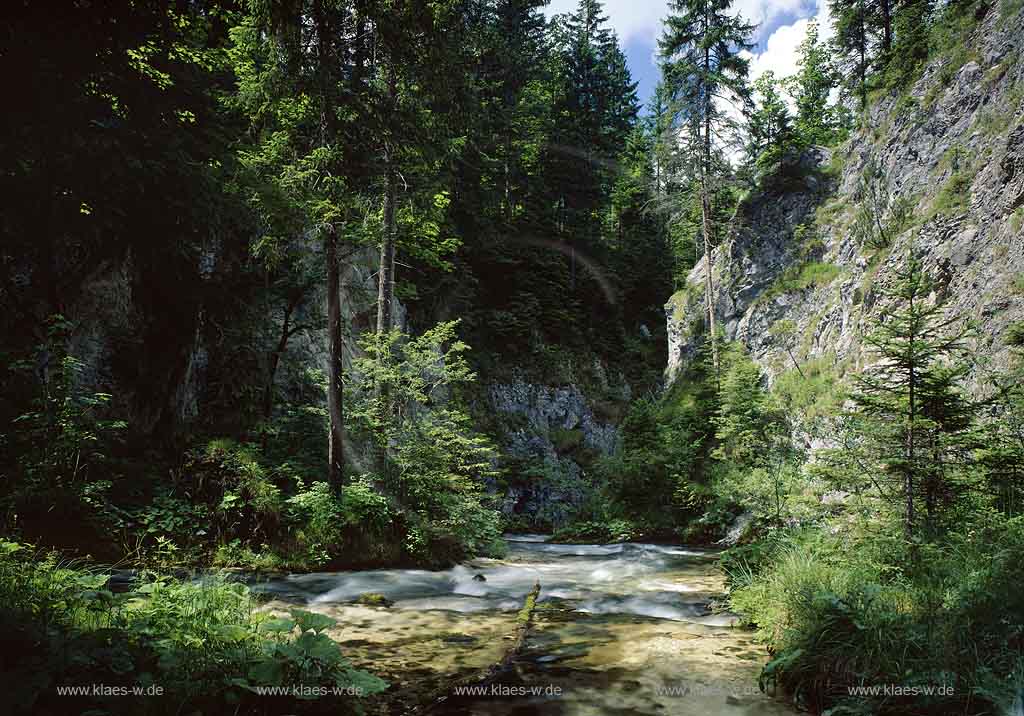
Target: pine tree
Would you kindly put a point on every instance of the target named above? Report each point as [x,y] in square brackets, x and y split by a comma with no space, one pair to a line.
[703,66]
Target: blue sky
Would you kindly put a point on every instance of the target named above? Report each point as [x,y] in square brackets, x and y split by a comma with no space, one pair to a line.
[781,26]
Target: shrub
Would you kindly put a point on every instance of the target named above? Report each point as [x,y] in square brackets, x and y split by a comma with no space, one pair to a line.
[202,644]
[229,476]
[434,462]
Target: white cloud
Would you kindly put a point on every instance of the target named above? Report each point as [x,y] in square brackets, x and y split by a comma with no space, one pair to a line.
[780,52]
[641,19]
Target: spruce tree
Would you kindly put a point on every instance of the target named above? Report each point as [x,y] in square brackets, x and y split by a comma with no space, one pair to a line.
[855,37]
[811,87]
[908,402]
[703,69]
[770,132]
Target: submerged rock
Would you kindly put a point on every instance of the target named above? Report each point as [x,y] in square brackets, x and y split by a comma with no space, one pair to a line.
[372,599]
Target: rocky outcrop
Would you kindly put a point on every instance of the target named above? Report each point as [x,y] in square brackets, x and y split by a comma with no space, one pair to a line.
[945,162]
[554,433]
[164,358]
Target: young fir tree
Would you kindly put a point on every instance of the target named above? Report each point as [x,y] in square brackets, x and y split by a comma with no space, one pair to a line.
[1001,439]
[770,133]
[753,433]
[817,121]
[703,69]
[908,404]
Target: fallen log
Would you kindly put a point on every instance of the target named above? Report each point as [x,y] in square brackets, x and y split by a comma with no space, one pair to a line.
[524,621]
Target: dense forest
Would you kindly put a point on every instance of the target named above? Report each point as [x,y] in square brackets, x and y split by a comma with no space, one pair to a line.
[294,288]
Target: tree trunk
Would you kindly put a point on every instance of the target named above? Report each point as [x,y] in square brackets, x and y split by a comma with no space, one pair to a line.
[386,274]
[335,389]
[886,10]
[335,395]
[863,59]
[708,281]
[275,359]
[705,210]
[912,419]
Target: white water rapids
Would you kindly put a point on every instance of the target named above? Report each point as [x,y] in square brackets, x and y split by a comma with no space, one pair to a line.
[619,629]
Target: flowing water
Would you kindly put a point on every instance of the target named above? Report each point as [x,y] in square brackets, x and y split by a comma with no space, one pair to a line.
[619,629]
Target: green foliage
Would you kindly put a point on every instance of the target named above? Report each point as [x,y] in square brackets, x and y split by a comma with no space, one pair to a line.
[801,277]
[664,445]
[1017,219]
[812,391]
[954,196]
[202,644]
[434,462]
[769,126]
[881,214]
[817,120]
[566,440]
[848,610]
[755,455]
[60,448]
[605,532]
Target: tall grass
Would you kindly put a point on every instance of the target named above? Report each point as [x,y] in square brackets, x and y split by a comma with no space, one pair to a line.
[839,612]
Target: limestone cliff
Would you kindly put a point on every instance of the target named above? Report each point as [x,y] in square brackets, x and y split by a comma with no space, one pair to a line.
[941,167]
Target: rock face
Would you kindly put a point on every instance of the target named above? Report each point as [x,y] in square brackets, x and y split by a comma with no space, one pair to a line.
[946,163]
[162,357]
[554,432]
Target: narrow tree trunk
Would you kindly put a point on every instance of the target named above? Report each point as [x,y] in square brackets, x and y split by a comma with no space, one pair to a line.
[386,274]
[886,10]
[335,389]
[708,281]
[912,419]
[797,365]
[275,359]
[705,210]
[863,59]
[335,395]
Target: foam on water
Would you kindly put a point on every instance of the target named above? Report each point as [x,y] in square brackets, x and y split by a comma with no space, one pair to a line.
[631,579]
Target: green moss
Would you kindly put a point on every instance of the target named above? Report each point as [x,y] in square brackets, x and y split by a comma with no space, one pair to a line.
[566,441]
[1017,220]
[802,277]
[373,599]
[526,613]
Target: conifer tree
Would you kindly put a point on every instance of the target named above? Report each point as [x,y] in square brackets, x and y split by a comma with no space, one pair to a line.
[703,68]
[811,87]
[908,402]
[770,131]
[854,22]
